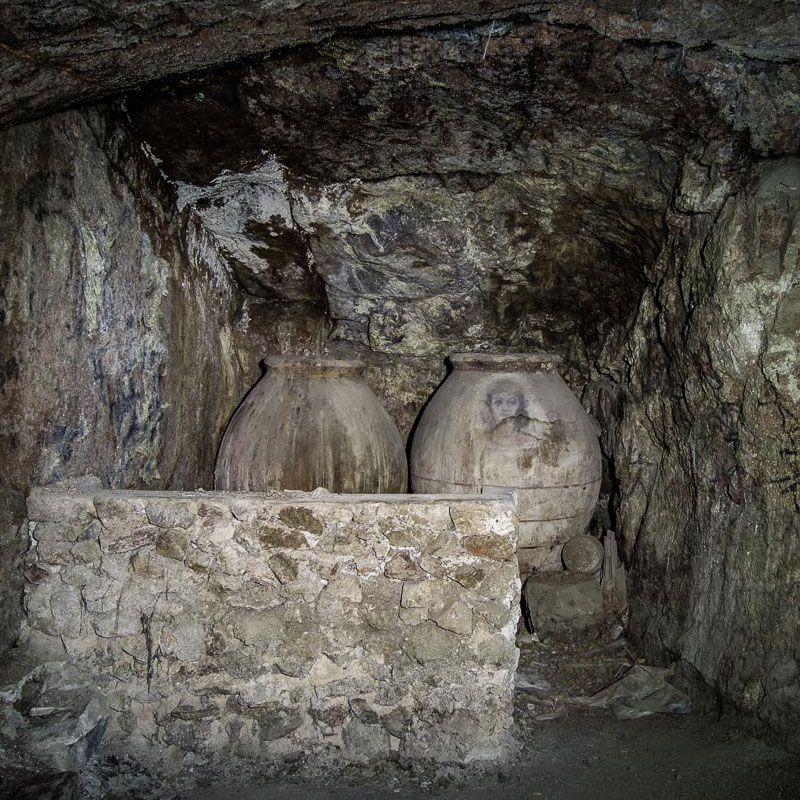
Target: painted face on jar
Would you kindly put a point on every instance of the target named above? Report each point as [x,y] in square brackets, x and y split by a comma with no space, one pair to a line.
[504,405]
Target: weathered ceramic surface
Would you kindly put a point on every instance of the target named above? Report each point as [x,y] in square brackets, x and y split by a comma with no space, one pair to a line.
[583,554]
[510,421]
[309,423]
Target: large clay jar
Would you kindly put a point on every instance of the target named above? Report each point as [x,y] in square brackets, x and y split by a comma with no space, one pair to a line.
[311,422]
[510,422]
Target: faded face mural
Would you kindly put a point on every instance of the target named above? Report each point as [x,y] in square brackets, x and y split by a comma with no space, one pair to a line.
[505,416]
[505,399]
[504,405]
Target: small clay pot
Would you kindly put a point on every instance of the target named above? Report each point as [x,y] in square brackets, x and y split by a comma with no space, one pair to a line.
[510,422]
[309,423]
[583,554]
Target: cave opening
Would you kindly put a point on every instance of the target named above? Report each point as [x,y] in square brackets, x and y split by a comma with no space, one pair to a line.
[621,191]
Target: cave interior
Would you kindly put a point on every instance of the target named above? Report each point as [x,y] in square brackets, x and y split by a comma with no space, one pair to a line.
[620,187]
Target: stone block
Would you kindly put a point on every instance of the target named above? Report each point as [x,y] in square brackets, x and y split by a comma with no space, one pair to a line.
[294,665]
[493,579]
[365,741]
[304,638]
[419,594]
[469,576]
[126,540]
[563,602]
[445,544]
[301,519]
[487,646]
[495,613]
[63,507]
[380,603]
[275,720]
[146,564]
[67,610]
[455,617]
[433,566]
[412,616]
[330,715]
[120,514]
[37,603]
[469,515]
[262,629]
[55,551]
[86,551]
[495,547]
[199,560]
[345,587]
[398,721]
[275,537]
[329,606]
[172,543]
[404,567]
[428,642]
[169,513]
[284,567]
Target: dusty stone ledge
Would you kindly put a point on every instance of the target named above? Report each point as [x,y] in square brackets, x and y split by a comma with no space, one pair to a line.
[201,628]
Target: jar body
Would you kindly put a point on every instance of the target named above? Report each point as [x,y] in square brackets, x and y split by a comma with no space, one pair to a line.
[510,422]
[309,423]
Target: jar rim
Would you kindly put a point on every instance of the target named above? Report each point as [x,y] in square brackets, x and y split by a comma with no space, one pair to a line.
[538,361]
[314,365]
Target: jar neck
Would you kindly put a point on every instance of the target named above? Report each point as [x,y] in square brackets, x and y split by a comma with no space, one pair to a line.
[506,362]
[315,366]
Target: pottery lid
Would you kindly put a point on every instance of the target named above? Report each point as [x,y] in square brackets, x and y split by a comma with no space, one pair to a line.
[314,366]
[539,361]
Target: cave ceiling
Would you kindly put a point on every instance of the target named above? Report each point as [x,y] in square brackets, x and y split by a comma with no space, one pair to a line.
[56,54]
[439,190]
[426,177]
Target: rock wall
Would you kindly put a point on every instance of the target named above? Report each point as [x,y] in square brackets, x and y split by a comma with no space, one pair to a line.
[707,453]
[193,629]
[121,352]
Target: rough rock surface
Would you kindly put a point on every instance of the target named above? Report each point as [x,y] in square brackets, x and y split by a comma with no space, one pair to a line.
[708,447]
[101,345]
[211,630]
[52,55]
[408,197]
[120,348]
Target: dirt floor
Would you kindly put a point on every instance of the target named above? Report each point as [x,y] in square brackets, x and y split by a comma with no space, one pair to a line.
[564,753]
[570,753]
[583,756]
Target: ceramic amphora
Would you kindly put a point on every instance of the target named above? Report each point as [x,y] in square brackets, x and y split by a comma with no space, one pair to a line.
[309,423]
[510,422]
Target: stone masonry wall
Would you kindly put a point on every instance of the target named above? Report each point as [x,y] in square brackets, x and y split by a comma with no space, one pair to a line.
[226,629]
